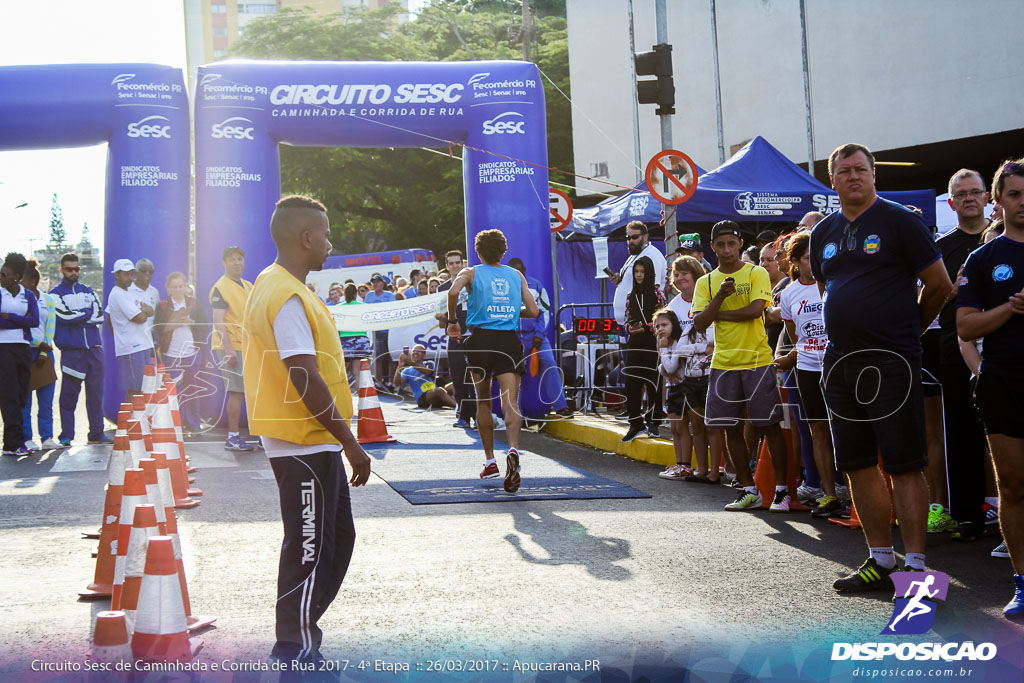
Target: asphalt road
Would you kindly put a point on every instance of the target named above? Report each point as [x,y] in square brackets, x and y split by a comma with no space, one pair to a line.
[645,586]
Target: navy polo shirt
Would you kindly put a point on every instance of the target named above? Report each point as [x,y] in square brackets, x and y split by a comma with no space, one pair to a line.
[993,273]
[870,269]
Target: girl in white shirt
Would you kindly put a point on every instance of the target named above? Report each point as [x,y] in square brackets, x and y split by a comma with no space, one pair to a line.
[801,308]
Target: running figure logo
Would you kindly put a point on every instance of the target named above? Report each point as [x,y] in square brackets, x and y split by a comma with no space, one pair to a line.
[916,593]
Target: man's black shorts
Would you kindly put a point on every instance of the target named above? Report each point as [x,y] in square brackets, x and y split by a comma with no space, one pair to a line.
[876,404]
[998,397]
[494,352]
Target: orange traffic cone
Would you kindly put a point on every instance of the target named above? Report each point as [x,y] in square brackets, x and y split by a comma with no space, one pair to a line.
[144,526]
[124,413]
[160,630]
[110,643]
[103,578]
[153,493]
[136,442]
[134,494]
[139,412]
[172,402]
[372,428]
[764,475]
[149,386]
[163,422]
[165,442]
[164,477]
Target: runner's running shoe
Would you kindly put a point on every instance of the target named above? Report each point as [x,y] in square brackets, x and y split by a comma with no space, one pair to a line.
[490,471]
[868,577]
[461,424]
[512,471]
[1000,550]
[827,506]
[808,494]
[781,502]
[1015,608]
[991,513]
[746,501]
[938,520]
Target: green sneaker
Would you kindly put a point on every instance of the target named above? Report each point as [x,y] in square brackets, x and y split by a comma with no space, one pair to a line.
[938,520]
[745,501]
[868,577]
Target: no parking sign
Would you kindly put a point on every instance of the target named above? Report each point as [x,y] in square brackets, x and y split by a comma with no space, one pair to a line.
[671,176]
[559,208]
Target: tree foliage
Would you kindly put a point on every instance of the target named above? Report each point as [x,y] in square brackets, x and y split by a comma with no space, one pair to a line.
[58,235]
[402,198]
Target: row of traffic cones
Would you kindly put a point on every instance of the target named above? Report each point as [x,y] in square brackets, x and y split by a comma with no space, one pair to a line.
[139,563]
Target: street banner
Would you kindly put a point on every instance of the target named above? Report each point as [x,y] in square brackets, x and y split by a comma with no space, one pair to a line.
[385,316]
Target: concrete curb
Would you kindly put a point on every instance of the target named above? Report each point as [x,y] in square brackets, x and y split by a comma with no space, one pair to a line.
[608,438]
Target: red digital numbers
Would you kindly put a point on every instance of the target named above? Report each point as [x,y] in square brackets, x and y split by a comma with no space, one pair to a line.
[595,326]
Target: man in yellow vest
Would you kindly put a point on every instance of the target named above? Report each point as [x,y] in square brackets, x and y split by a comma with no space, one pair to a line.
[228,298]
[298,400]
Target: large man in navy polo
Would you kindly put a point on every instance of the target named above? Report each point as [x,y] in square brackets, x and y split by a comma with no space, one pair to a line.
[867,258]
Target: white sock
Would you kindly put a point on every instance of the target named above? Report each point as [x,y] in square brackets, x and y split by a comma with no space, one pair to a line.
[884,557]
[492,461]
[915,561]
[750,489]
[232,434]
[781,488]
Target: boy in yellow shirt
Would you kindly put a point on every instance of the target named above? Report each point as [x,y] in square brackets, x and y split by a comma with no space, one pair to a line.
[742,383]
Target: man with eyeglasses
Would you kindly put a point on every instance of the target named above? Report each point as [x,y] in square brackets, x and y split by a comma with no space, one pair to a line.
[638,241]
[639,245]
[77,335]
[990,304]
[867,258]
[965,439]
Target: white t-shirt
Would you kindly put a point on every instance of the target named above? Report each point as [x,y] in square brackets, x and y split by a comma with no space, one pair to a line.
[294,337]
[182,344]
[625,285]
[802,304]
[695,353]
[129,337]
[148,296]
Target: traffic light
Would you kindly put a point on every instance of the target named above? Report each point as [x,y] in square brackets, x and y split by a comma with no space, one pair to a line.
[661,91]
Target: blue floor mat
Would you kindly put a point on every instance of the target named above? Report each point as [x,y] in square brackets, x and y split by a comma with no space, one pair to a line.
[432,474]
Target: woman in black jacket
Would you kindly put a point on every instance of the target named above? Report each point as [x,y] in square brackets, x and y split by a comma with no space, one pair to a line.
[641,369]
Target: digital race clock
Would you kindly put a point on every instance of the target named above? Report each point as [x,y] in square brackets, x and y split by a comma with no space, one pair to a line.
[594,326]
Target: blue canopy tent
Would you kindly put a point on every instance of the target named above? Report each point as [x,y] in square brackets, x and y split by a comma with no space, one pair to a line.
[760,184]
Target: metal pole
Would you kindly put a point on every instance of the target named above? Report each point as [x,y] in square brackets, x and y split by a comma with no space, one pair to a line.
[718,84]
[526,31]
[807,87]
[661,19]
[636,115]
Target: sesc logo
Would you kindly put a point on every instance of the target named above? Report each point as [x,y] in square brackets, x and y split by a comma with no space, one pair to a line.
[232,129]
[505,124]
[121,78]
[209,78]
[150,127]
[475,78]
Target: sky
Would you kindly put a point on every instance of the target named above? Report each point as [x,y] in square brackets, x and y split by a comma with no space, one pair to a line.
[67,32]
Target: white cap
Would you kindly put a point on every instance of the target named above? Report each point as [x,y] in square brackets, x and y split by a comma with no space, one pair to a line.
[124,265]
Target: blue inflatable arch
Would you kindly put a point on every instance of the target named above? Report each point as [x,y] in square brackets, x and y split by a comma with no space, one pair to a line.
[142,112]
[245,109]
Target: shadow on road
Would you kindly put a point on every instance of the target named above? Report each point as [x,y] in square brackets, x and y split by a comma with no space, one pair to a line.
[598,554]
